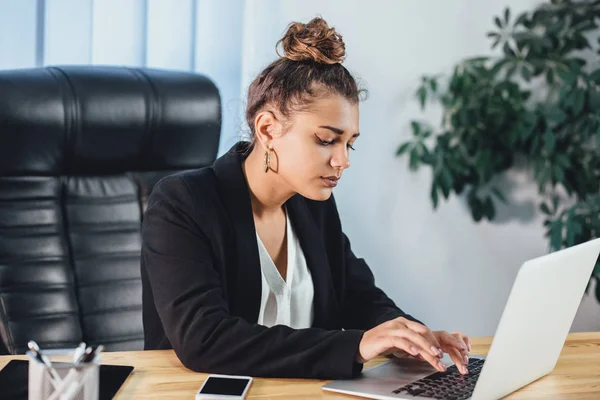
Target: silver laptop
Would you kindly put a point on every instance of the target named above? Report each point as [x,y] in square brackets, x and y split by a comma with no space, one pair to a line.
[530,336]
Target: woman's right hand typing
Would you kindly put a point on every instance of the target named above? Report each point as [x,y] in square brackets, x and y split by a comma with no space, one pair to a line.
[401,335]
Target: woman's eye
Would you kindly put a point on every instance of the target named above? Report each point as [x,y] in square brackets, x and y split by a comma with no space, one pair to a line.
[324,142]
[330,142]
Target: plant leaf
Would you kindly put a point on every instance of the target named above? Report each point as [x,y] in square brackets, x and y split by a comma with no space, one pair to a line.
[545,209]
[595,76]
[422,150]
[434,194]
[498,66]
[448,181]
[509,52]
[594,97]
[550,141]
[511,70]
[555,201]
[550,77]
[576,63]
[543,177]
[477,210]
[499,195]
[433,84]
[422,95]
[403,148]
[559,174]
[557,115]
[490,210]
[506,15]
[556,234]
[566,75]
[416,128]
[563,160]
[498,22]
[571,227]
[526,73]
[521,19]
[578,101]
[413,159]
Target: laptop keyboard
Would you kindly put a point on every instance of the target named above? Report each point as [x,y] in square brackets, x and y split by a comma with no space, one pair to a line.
[449,385]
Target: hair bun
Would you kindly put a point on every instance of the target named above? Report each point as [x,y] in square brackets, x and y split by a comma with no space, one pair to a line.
[314,41]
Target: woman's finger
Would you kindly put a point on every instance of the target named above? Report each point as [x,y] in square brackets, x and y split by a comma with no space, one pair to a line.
[402,344]
[447,339]
[427,334]
[466,340]
[399,343]
[461,339]
[424,344]
[417,327]
[403,354]
[433,339]
[459,360]
[388,352]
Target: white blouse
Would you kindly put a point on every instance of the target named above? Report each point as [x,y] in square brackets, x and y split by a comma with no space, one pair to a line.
[286,302]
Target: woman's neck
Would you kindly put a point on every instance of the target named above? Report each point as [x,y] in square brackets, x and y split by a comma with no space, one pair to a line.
[267,191]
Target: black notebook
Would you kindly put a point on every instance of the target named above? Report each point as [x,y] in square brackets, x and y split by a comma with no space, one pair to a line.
[14,379]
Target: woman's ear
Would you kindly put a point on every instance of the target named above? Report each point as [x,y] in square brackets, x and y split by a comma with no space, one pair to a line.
[267,128]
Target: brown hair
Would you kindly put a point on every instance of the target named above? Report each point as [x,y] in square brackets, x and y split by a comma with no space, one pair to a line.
[310,66]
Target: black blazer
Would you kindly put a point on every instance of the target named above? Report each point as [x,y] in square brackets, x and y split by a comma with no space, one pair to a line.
[202,281]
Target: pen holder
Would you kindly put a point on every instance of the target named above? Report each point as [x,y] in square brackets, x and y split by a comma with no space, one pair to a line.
[77,382]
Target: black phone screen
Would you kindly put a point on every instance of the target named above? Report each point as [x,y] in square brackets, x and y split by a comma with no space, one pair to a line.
[225,386]
[14,380]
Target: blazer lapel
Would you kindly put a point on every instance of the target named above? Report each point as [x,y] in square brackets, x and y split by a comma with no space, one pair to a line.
[325,304]
[246,279]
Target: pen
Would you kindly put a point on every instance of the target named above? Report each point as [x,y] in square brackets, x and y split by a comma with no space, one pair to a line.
[79,353]
[37,353]
[91,353]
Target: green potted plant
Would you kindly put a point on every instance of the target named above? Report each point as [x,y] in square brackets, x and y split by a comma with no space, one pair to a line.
[537,103]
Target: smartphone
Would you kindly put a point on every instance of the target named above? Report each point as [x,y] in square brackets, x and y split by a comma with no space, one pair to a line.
[224,387]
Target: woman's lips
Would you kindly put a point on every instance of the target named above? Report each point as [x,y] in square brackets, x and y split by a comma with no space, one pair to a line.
[330,181]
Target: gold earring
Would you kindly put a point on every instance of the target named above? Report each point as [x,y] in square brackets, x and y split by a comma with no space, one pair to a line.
[267,160]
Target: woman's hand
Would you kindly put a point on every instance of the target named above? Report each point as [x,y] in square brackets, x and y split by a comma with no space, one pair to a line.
[398,335]
[401,335]
[457,345]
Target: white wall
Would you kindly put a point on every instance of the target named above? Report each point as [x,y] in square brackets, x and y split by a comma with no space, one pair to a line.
[440,266]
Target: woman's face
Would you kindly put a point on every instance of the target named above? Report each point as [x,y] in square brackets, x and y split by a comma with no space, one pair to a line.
[313,152]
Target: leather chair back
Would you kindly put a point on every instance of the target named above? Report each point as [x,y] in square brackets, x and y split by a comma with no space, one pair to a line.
[80,150]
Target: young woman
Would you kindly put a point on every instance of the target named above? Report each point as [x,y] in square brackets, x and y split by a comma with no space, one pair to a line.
[245,266]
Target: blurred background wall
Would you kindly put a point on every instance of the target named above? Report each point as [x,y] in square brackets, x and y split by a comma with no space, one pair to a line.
[439,266]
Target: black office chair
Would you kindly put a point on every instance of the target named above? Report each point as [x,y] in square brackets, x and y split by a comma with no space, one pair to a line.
[80,150]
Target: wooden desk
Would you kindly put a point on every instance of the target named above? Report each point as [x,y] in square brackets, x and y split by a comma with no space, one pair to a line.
[160,375]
